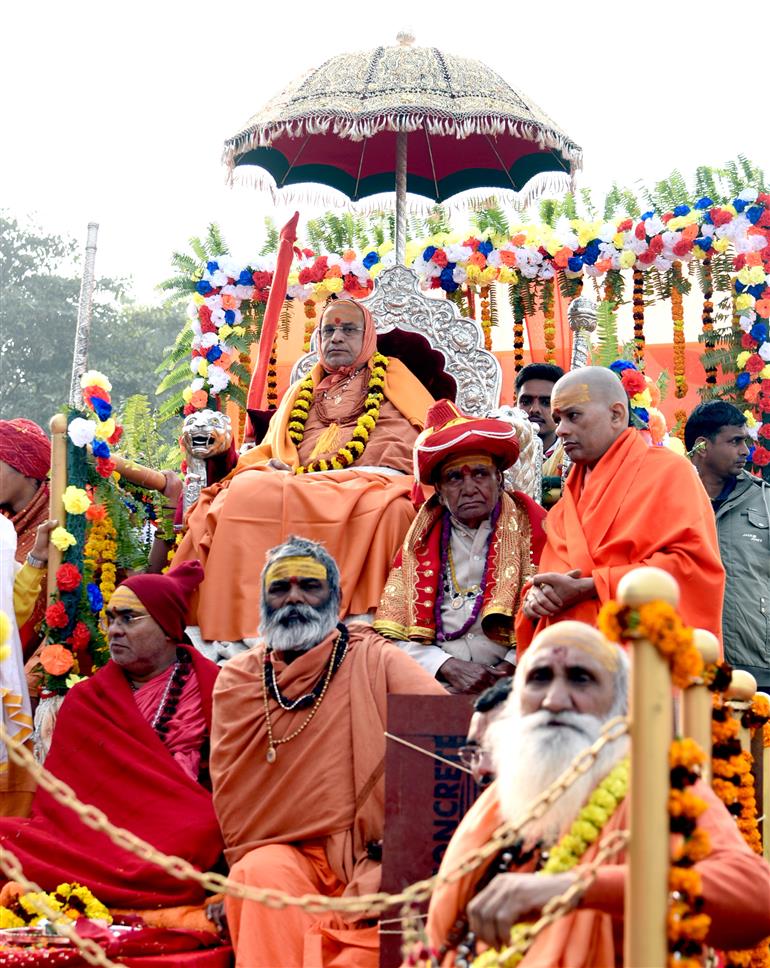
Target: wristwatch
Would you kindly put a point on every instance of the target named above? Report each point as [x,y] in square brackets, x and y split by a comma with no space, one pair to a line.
[36,562]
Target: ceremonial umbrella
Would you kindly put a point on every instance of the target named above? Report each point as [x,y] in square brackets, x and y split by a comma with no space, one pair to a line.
[351,123]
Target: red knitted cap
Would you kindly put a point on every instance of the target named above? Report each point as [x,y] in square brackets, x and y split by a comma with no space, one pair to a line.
[167,597]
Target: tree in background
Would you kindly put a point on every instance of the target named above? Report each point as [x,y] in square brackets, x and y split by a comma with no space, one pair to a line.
[40,282]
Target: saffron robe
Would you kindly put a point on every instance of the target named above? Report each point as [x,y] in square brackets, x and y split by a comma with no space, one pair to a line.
[109,754]
[303,823]
[360,515]
[591,936]
[640,505]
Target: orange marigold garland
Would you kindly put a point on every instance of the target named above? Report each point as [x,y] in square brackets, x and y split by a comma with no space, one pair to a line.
[519,317]
[309,324]
[486,317]
[549,323]
[639,341]
[677,316]
[733,783]
[100,552]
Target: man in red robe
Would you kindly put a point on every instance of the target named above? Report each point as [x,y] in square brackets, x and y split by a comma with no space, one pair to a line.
[132,741]
[625,504]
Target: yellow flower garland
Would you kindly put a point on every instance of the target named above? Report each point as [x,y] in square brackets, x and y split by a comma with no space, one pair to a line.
[366,423]
[585,830]
[71,901]
[99,557]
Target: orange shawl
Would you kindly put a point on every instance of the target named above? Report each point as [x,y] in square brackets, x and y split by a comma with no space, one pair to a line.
[402,388]
[640,505]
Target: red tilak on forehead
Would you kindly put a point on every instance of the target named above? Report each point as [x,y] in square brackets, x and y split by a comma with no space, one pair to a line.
[336,319]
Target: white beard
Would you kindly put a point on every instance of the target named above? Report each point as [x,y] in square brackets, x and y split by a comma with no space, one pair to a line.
[298,628]
[530,752]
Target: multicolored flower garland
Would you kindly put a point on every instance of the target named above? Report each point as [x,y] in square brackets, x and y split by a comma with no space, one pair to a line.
[365,424]
[585,830]
[70,901]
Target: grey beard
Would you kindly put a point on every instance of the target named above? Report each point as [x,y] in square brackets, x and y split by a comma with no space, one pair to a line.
[298,628]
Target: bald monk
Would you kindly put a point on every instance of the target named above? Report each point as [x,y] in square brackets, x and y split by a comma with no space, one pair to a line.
[568,684]
[325,469]
[625,504]
[297,764]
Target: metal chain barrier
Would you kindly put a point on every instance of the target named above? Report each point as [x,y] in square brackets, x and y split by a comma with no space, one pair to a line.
[89,949]
[365,904]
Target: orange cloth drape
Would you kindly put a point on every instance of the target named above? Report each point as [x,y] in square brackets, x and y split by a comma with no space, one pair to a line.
[592,935]
[640,505]
[303,823]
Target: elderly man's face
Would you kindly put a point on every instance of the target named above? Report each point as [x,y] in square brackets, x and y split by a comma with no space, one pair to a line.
[469,491]
[565,678]
[297,591]
[342,333]
[299,613]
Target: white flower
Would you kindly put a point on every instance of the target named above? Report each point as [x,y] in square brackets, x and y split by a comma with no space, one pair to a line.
[218,316]
[81,432]
[653,225]
[197,384]
[209,339]
[748,195]
[218,379]
[459,275]
[764,351]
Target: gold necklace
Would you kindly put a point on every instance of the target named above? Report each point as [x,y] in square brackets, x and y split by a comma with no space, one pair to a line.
[272,742]
[460,594]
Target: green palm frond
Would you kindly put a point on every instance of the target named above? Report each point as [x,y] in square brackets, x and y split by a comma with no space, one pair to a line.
[606,349]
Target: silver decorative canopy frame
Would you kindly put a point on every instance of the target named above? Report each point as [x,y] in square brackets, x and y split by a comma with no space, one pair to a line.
[398,303]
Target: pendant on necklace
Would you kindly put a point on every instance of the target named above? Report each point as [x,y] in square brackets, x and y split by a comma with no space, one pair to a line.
[457,602]
[271,755]
[337,400]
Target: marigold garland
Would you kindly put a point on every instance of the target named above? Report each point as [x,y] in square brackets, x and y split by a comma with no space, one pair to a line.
[659,623]
[519,319]
[272,376]
[99,557]
[309,324]
[585,830]
[733,783]
[677,316]
[638,310]
[486,318]
[365,424]
[70,901]
[549,323]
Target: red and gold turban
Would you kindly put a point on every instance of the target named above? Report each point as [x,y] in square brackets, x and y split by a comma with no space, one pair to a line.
[25,447]
[449,433]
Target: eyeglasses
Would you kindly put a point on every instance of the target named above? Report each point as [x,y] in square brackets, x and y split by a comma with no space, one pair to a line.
[469,755]
[125,619]
[347,330]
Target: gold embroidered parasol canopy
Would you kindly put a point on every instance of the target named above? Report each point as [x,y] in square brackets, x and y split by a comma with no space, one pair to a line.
[352,123]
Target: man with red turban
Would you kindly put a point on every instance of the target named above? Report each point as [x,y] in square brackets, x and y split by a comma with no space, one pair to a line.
[334,467]
[455,587]
[25,460]
[132,741]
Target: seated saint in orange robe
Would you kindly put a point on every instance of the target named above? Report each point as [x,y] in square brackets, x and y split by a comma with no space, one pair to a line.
[624,505]
[568,684]
[299,792]
[334,466]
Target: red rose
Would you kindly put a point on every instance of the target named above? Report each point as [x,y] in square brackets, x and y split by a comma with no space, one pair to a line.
[761,456]
[656,244]
[666,217]
[204,314]
[68,578]
[683,247]
[647,258]
[439,257]
[305,276]
[80,637]
[764,431]
[350,282]
[472,243]
[720,217]
[625,225]
[747,341]
[739,261]
[754,363]
[115,438]
[633,382]
[641,231]
[188,409]
[260,295]
[262,279]
[105,466]
[56,615]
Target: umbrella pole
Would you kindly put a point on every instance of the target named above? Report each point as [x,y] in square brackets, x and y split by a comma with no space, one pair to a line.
[401,137]
[83,331]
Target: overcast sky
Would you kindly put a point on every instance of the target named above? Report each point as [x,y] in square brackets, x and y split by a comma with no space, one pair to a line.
[117,113]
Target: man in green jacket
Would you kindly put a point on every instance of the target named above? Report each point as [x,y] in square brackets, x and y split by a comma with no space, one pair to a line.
[719,443]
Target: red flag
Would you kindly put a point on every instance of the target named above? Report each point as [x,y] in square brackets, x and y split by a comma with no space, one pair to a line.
[273,311]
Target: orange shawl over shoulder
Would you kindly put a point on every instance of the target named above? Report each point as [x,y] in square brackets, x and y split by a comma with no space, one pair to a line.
[640,505]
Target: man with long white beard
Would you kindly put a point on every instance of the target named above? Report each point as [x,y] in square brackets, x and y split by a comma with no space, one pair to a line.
[297,764]
[569,684]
